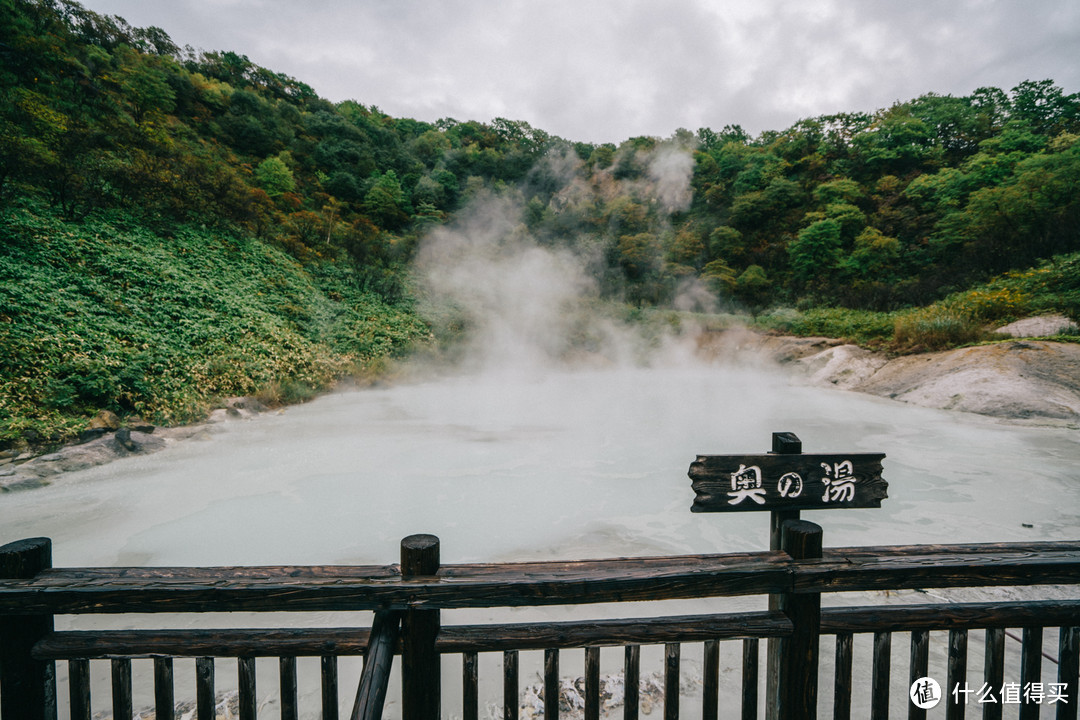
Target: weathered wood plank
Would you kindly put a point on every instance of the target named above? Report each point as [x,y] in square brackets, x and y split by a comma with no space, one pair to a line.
[1068,670]
[607,633]
[842,677]
[671,681]
[470,686]
[421,678]
[451,639]
[592,683]
[248,702]
[79,689]
[223,643]
[510,585]
[510,685]
[949,616]
[837,571]
[920,662]
[1030,668]
[551,684]
[329,671]
[290,708]
[164,698]
[82,590]
[750,679]
[121,688]
[632,682]
[796,694]
[879,690]
[710,677]
[957,674]
[29,685]
[205,699]
[740,483]
[375,678]
[994,671]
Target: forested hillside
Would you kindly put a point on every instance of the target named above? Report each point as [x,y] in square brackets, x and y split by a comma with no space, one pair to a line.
[166,209]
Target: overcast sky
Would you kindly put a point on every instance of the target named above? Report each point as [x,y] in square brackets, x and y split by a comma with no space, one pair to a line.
[606,70]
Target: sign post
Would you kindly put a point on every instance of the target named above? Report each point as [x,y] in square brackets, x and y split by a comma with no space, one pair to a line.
[785,482]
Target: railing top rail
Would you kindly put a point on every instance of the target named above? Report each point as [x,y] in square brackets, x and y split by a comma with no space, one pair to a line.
[218,589]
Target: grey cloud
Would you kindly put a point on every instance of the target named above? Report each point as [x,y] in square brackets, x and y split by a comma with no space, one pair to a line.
[605,70]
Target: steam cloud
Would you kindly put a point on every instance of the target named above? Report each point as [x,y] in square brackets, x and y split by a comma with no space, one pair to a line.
[526,303]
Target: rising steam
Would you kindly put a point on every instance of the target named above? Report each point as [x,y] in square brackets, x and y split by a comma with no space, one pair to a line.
[512,300]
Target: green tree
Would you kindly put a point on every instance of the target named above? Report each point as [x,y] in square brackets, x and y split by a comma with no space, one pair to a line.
[753,289]
[385,202]
[815,253]
[274,176]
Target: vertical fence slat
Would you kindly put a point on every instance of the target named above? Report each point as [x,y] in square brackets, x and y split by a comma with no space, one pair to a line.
[290,710]
[879,689]
[1030,669]
[470,690]
[29,685]
[796,692]
[632,682]
[1068,669]
[79,688]
[592,683]
[750,679]
[164,702]
[378,661]
[551,684]
[994,671]
[421,675]
[204,688]
[329,667]
[510,685]
[842,677]
[245,670]
[710,693]
[671,681]
[957,675]
[920,663]
[121,689]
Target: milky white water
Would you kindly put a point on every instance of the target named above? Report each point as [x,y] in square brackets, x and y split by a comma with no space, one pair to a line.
[534,465]
[555,464]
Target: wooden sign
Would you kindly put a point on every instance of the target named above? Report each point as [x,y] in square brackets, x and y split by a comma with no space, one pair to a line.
[740,483]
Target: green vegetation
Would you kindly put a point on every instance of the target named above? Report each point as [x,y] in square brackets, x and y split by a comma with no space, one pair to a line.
[181,226]
[98,315]
[962,318]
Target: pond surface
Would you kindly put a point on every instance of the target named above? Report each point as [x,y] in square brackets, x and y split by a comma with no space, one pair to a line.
[541,465]
[558,464]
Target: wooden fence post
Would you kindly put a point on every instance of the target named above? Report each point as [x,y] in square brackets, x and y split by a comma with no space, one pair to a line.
[27,686]
[783,443]
[796,696]
[421,680]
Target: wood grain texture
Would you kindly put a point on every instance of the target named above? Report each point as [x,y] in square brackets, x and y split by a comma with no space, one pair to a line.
[451,639]
[114,590]
[29,685]
[785,482]
[375,678]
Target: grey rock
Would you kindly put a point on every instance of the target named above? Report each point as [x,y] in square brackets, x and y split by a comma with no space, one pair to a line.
[1043,326]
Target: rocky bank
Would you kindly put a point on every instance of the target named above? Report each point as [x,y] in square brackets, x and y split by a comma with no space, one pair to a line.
[105,440]
[1021,380]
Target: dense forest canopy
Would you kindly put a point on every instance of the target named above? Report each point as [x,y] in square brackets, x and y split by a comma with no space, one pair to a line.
[102,121]
[866,210]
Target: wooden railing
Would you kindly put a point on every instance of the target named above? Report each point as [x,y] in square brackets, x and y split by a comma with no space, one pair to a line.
[413,593]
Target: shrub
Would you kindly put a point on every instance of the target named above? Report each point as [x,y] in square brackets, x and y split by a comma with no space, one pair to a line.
[934,328]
